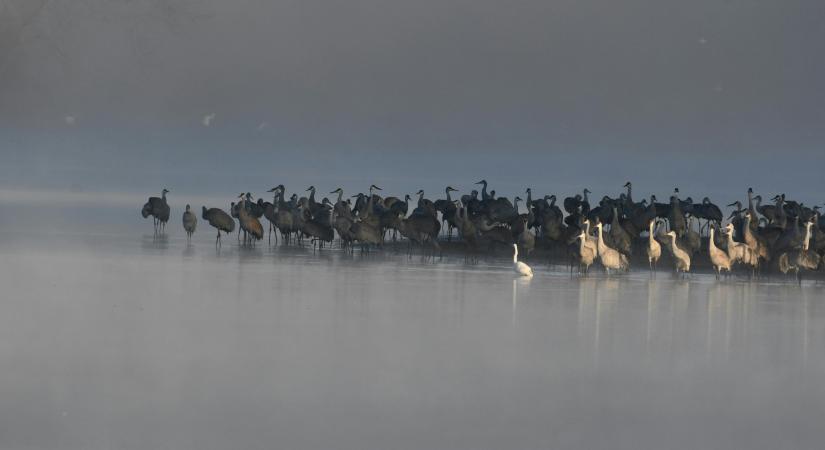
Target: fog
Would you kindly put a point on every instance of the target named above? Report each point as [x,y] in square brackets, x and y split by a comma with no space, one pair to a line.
[133,342]
[113,95]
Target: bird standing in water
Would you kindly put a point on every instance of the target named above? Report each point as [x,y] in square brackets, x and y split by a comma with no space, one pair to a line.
[518,266]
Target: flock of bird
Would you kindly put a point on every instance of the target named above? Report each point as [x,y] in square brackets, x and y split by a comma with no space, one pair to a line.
[784,235]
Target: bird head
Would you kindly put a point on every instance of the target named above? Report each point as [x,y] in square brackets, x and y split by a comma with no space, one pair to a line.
[337,191]
[273,189]
[451,189]
[481,182]
[187,207]
[311,188]
[627,184]
[587,191]
[420,192]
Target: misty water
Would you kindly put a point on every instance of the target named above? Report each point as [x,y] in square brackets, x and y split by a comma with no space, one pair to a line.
[113,339]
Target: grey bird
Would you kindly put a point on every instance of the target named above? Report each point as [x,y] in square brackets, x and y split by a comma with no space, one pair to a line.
[190,222]
[218,219]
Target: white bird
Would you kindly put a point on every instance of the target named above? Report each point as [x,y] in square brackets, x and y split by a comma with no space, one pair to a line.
[610,257]
[518,266]
[588,248]
[680,256]
[587,252]
[207,119]
[718,258]
[654,249]
[738,251]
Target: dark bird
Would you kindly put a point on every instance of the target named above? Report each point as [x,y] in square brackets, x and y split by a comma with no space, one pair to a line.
[220,220]
[158,208]
[190,222]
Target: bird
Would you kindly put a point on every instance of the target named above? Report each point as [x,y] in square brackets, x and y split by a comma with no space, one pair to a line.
[218,219]
[610,257]
[447,209]
[526,239]
[520,267]
[588,251]
[249,223]
[739,252]
[654,249]
[158,208]
[366,230]
[718,258]
[190,222]
[754,241]
[680,256]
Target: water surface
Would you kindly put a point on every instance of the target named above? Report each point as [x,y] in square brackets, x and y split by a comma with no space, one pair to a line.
[122,341]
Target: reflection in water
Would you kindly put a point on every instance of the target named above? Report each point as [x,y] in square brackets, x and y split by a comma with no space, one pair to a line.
[164,345]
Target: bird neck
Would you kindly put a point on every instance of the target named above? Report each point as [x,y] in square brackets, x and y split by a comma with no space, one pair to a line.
[515,253]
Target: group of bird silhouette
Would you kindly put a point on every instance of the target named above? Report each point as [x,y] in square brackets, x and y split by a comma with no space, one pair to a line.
[784,235]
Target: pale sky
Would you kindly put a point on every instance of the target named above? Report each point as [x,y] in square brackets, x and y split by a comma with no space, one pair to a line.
[214,95]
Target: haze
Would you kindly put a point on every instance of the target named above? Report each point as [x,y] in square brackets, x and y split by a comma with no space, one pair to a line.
[707,95]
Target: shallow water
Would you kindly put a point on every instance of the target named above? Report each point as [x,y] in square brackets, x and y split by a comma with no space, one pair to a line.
[125,341]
